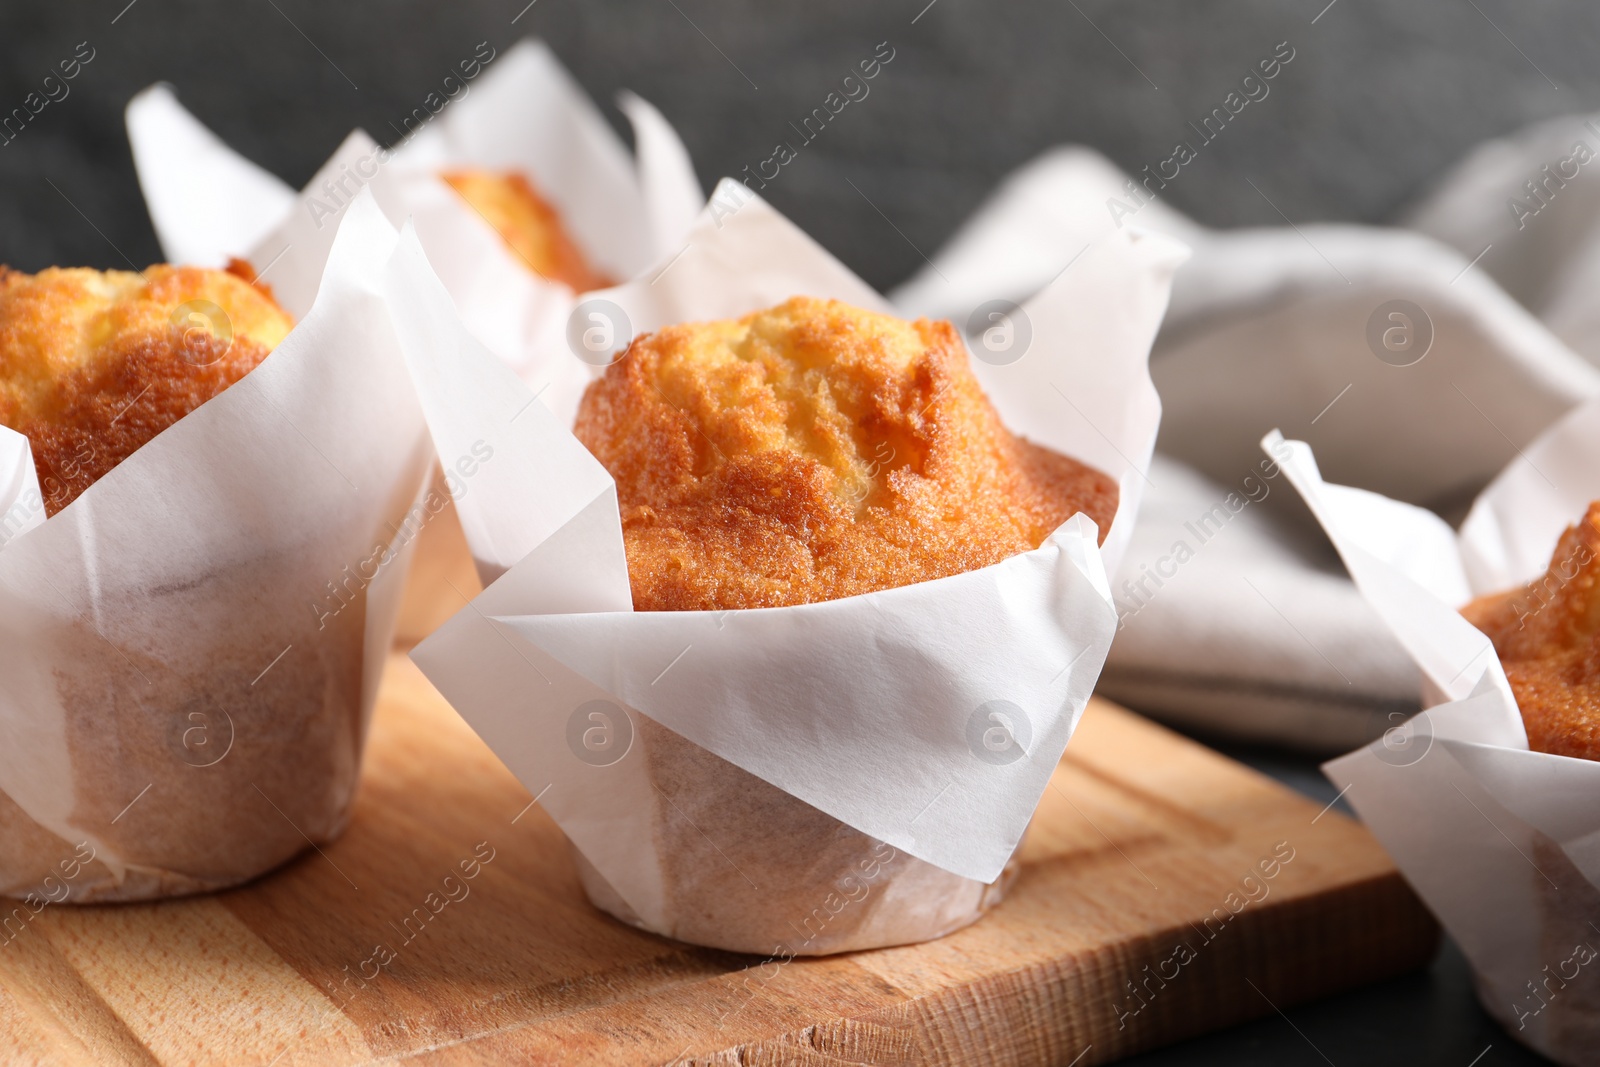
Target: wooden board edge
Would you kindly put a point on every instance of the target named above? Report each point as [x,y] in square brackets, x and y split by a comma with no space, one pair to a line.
[1370,931]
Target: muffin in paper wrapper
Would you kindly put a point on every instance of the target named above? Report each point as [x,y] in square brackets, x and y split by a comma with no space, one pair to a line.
[520,111]
[191,648]
[798,780]
[1503,843]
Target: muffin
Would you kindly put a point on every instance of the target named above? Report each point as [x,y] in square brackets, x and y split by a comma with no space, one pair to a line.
[1547,635]
[179,659]
[803,453]
[527,224]
[814,451]
[94,364]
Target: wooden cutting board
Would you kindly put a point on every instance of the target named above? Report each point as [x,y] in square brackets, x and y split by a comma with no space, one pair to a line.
[1141,916]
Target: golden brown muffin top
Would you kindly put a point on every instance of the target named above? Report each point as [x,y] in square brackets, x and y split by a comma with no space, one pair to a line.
[1547,634]
[814,451]
[94,364]
[527,224]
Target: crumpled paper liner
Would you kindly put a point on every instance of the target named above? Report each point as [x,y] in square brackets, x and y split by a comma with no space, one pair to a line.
[1501,842]
[809,739]
[192,648]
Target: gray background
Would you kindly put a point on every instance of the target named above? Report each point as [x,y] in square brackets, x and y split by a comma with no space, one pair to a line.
[1378,100]
[1379,97]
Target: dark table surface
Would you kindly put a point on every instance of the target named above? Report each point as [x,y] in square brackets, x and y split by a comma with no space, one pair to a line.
[1378,101]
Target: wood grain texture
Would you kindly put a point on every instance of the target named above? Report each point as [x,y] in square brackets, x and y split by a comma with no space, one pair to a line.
[1135,851]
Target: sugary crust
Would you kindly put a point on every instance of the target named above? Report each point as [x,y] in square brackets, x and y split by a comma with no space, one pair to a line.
[815,451]
[1547,634]
[527,224]
[94,364]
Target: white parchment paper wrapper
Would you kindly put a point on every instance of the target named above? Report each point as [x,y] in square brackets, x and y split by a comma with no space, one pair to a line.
[523,112]
[1502,842]
[726,775]
[190,650]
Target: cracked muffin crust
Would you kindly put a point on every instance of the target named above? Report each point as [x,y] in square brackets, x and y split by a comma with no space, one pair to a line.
[813,451]
[94,364]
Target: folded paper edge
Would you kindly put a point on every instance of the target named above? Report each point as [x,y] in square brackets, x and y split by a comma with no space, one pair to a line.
[158,125]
